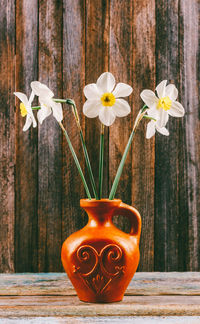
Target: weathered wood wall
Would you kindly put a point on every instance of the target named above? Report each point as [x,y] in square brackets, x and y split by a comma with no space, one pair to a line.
[67,44]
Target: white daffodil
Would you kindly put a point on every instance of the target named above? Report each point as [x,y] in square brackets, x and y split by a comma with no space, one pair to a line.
[152,127]
[26,110]
[47,104]
[105,101]
[164,104]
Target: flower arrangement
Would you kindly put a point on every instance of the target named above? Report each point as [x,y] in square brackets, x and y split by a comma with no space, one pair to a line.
[106,101]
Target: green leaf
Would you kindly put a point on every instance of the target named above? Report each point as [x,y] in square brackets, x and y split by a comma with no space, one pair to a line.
[101,157]
[121,166]
[76,161]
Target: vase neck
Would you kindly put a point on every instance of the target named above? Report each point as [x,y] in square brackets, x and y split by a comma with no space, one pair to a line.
[100,212]
[97,217]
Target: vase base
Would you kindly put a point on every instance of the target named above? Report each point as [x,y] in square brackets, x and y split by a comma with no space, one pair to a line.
[101,300]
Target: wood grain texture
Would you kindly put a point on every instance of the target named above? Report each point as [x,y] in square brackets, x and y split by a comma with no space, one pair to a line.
[73,83]
[96,62]
[104,319]
[143,153]
[189,148]
[26,143]
[49,140]
[143,283]
[7,135]
[149,294]
[177,159]
[167,148]
[71,306]
[120,64]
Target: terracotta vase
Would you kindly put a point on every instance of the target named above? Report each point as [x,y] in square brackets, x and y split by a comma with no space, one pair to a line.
[100,259]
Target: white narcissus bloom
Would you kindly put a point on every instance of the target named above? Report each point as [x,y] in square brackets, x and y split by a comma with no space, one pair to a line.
[47,104]
[152,127]
[161,106]
[105,101]
[26,110]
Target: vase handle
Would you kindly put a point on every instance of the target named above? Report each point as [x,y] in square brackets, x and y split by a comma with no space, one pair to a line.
[133,215]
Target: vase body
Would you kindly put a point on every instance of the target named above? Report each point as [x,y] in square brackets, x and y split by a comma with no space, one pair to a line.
[100,259]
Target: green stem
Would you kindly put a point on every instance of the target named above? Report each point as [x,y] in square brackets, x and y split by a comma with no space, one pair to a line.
[76,116]
[120,168]
[36,107]
[55,100]
[72,103]
[147,117]
[144,108]
[121,165]
[60,100]
[76,161]
[88,166]
[101,157]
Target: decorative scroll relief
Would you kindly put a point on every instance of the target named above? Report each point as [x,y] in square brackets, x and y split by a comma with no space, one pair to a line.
[99,269]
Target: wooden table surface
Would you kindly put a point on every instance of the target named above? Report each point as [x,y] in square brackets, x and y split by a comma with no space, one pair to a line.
[50,298]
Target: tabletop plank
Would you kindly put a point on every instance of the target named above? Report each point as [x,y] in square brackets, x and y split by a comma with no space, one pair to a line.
[12,301]
[103,319]
[71,306]
[52,295]
[143,283]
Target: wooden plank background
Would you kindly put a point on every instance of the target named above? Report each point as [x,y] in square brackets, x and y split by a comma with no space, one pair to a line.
[67,44]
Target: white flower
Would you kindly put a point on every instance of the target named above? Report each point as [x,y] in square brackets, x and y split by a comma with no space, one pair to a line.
[47,104]
[104,101]
[163,105]
[152,127]
[26,110]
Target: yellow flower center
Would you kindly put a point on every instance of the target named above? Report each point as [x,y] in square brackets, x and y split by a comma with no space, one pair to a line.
[108,99]
[23,109]
[164,103]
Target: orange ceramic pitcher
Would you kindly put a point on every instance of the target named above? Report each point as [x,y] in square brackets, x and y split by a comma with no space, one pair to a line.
[100,259]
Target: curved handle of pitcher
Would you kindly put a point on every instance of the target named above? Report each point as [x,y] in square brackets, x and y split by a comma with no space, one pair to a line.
[133,215]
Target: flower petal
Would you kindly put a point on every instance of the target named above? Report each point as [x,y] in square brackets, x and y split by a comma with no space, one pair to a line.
[41,89]
[162,130]
[121,108]
[27,123]
[171,91]
[91,91]
[122,90]
[151,129]
[106,82]
[161,88]
[22,97]
[57,111]
[163,118]
[30,100]
[91,108]
[149,98]
[154,113]
[45,101]
[43,113]
[176,109]
[107,116]
[30,114]
[34,122]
